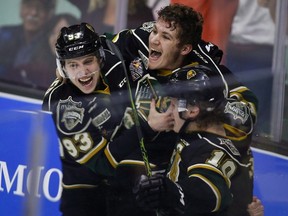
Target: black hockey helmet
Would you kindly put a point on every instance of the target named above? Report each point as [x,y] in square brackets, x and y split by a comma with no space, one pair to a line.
[196,85]
[76,41]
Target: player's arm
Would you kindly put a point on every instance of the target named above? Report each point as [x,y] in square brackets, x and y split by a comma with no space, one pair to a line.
[203,191]
[240,108]
[205,188]
[205,168]
[50,96]
[131,41]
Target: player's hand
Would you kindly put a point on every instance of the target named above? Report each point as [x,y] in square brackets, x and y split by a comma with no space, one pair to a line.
[255,208]
[148,191]
[160,121]
[158,192]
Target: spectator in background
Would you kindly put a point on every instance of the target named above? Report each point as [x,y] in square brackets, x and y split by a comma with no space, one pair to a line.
[250,53]
[55,25]
[23,47]
[218,17]
[102,14]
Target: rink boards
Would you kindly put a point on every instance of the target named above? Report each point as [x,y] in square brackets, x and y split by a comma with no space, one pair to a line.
[30,171]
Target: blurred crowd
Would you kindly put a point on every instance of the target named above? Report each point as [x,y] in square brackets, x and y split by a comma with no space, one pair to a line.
[27,49]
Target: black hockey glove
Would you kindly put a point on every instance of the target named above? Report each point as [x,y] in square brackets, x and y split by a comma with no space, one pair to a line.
[158,192]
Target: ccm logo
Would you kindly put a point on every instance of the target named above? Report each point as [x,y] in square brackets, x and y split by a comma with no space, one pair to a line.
[76,48]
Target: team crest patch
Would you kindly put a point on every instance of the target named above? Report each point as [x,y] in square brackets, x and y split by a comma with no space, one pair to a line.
[70,113]
[101,118]
[237,110]
[147,26]
[136,69]
[229,145]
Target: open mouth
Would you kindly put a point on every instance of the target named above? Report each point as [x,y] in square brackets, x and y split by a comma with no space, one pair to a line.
[85,80]
[154,54]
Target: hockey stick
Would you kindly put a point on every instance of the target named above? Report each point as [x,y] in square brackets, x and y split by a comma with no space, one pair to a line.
[117,52]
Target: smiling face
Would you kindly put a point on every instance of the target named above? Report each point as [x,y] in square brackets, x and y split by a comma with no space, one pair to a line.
[165,51]
[34,15]
[84,72]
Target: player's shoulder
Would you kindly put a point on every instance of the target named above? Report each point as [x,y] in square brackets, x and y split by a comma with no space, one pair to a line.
[140,33]
[211,142]
[53,93]
[145,28]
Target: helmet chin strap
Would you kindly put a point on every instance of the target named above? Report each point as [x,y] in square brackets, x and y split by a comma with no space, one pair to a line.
[184,126]
[186,123]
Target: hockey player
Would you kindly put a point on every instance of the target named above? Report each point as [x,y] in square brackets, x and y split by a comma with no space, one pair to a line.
[82,103]
[204,162]
[152,53]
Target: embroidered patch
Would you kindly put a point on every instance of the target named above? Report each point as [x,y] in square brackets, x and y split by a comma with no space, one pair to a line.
[136,69]
[238,110]
[70,113]
[147,26]
[101,118]
[229,145]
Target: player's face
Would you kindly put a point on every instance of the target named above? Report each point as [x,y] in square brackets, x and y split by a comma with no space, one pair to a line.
[164,49]
[84,72]
[34,15]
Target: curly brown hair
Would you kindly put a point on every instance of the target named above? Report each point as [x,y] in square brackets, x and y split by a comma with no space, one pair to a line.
[188,22]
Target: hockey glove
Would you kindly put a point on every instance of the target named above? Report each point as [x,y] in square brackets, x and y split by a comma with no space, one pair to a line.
[158,192]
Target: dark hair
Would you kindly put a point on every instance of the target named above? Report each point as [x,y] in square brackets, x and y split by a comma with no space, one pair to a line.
[204,119]
[188,21]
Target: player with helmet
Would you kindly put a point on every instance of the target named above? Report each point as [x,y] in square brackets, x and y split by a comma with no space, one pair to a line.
[152,53]
[204,162]
[83,104]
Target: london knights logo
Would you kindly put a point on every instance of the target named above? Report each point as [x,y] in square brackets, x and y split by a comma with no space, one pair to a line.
[237,110]
[69,113]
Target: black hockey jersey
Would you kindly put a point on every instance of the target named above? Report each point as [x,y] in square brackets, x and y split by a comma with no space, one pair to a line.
[85,122]
[241,106]
[205,166]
